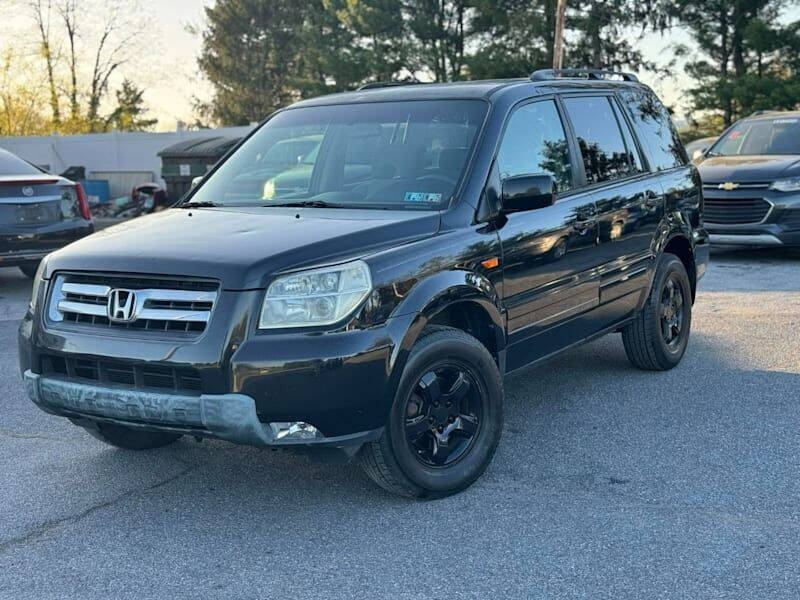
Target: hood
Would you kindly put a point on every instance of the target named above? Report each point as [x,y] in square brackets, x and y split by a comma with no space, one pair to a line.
[755,168]
[241,247]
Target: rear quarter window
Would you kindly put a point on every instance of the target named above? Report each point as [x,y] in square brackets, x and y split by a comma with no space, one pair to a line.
[655,130]
[12,165]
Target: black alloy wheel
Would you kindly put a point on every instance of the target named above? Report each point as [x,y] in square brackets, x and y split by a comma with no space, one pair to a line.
[445,421]
[657,338]
[672,311]
[443,414]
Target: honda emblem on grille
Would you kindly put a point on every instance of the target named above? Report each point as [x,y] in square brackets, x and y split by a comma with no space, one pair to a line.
[122,306]
[728,186]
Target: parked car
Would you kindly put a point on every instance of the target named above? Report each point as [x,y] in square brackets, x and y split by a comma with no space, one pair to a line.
[373,314]
[39,213]
[697,149]
[751,182]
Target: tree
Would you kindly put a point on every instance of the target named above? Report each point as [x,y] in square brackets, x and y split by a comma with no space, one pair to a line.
[380,32]
[512,38]
[249,54]
[41,16]
[603,32]
[331,58]
[22,111]
[441,29]
[746,56]
[130,110]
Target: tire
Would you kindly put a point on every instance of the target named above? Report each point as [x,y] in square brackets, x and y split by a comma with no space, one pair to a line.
[434,448]
[29,269]
[645,339]
[128,437]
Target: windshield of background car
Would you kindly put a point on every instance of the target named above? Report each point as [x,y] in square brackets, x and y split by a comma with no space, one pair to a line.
[761,136]
[398,155]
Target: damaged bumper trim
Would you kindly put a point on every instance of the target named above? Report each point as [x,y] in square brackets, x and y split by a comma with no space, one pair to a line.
[230,417]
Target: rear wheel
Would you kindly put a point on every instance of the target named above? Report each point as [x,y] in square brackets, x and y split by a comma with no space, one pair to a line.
[29,269]
[657,339]
[445,422]
[128,437]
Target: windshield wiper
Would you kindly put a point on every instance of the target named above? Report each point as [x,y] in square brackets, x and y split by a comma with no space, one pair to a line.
[306,204]
[204,204]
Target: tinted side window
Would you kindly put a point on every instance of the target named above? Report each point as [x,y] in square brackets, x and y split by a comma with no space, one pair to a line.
[605,156]
[534,142]
[655,129]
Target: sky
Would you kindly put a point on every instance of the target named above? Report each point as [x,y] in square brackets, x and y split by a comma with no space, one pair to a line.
[172,81]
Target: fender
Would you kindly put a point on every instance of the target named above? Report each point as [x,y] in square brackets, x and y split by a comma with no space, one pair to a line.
[428,298]
[673,226]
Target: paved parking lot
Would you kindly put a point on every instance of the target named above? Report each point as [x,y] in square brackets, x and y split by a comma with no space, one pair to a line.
[608,483]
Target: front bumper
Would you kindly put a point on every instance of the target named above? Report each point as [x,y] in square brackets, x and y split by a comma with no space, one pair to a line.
[230,417]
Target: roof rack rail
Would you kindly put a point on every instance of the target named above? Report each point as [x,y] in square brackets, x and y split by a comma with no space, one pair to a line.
[373,85]
[762,112]
[550,74]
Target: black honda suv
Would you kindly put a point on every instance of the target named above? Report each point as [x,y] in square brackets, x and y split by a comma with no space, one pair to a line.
[444,235]
[751,178]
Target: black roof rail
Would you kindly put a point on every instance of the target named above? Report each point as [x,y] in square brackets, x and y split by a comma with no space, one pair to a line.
[762,112]
[550,74]
[373,85]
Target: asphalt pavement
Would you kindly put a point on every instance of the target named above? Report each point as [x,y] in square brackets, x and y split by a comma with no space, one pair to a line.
[608,483]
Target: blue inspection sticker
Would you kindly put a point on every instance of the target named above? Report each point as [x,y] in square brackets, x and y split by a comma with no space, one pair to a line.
[426,197]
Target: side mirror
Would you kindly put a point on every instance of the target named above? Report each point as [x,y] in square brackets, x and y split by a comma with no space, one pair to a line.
[195,181]
[528,192]
[699,154]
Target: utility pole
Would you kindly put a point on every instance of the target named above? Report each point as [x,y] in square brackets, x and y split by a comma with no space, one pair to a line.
[558,38]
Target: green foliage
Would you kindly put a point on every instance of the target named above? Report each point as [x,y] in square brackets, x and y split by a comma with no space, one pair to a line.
[748,61]
[262,55]
[250,54]
[130,110]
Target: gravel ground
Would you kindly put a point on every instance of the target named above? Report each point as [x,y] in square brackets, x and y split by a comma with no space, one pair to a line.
[608,483]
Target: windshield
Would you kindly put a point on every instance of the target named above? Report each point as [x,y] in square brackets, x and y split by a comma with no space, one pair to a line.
[399,155]
[762,136]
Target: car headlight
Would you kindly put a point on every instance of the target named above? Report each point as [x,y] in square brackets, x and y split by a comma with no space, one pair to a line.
[791,184]
[37,283]
[315,297]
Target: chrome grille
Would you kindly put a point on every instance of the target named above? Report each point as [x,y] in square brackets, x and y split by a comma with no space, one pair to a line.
[178,306]
[735,211]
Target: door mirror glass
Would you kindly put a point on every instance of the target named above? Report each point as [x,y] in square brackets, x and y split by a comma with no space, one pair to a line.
[699,154]
[528,192]
[196,180]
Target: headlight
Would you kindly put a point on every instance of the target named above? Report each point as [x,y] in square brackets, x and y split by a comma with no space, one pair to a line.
[315,297]
[37,283]
[791,184]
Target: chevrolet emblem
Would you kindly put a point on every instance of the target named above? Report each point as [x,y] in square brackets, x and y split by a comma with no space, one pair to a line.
[728,186]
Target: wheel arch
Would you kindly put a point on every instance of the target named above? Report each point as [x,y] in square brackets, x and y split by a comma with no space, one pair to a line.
[680,245]
[462,299]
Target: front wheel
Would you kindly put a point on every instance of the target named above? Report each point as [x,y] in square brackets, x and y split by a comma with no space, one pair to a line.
[657,338]
[446,419]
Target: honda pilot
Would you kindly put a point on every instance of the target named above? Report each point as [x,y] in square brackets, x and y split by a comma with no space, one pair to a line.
[440,237]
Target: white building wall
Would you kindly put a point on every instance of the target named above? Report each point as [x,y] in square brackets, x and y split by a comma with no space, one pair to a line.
[107,152]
